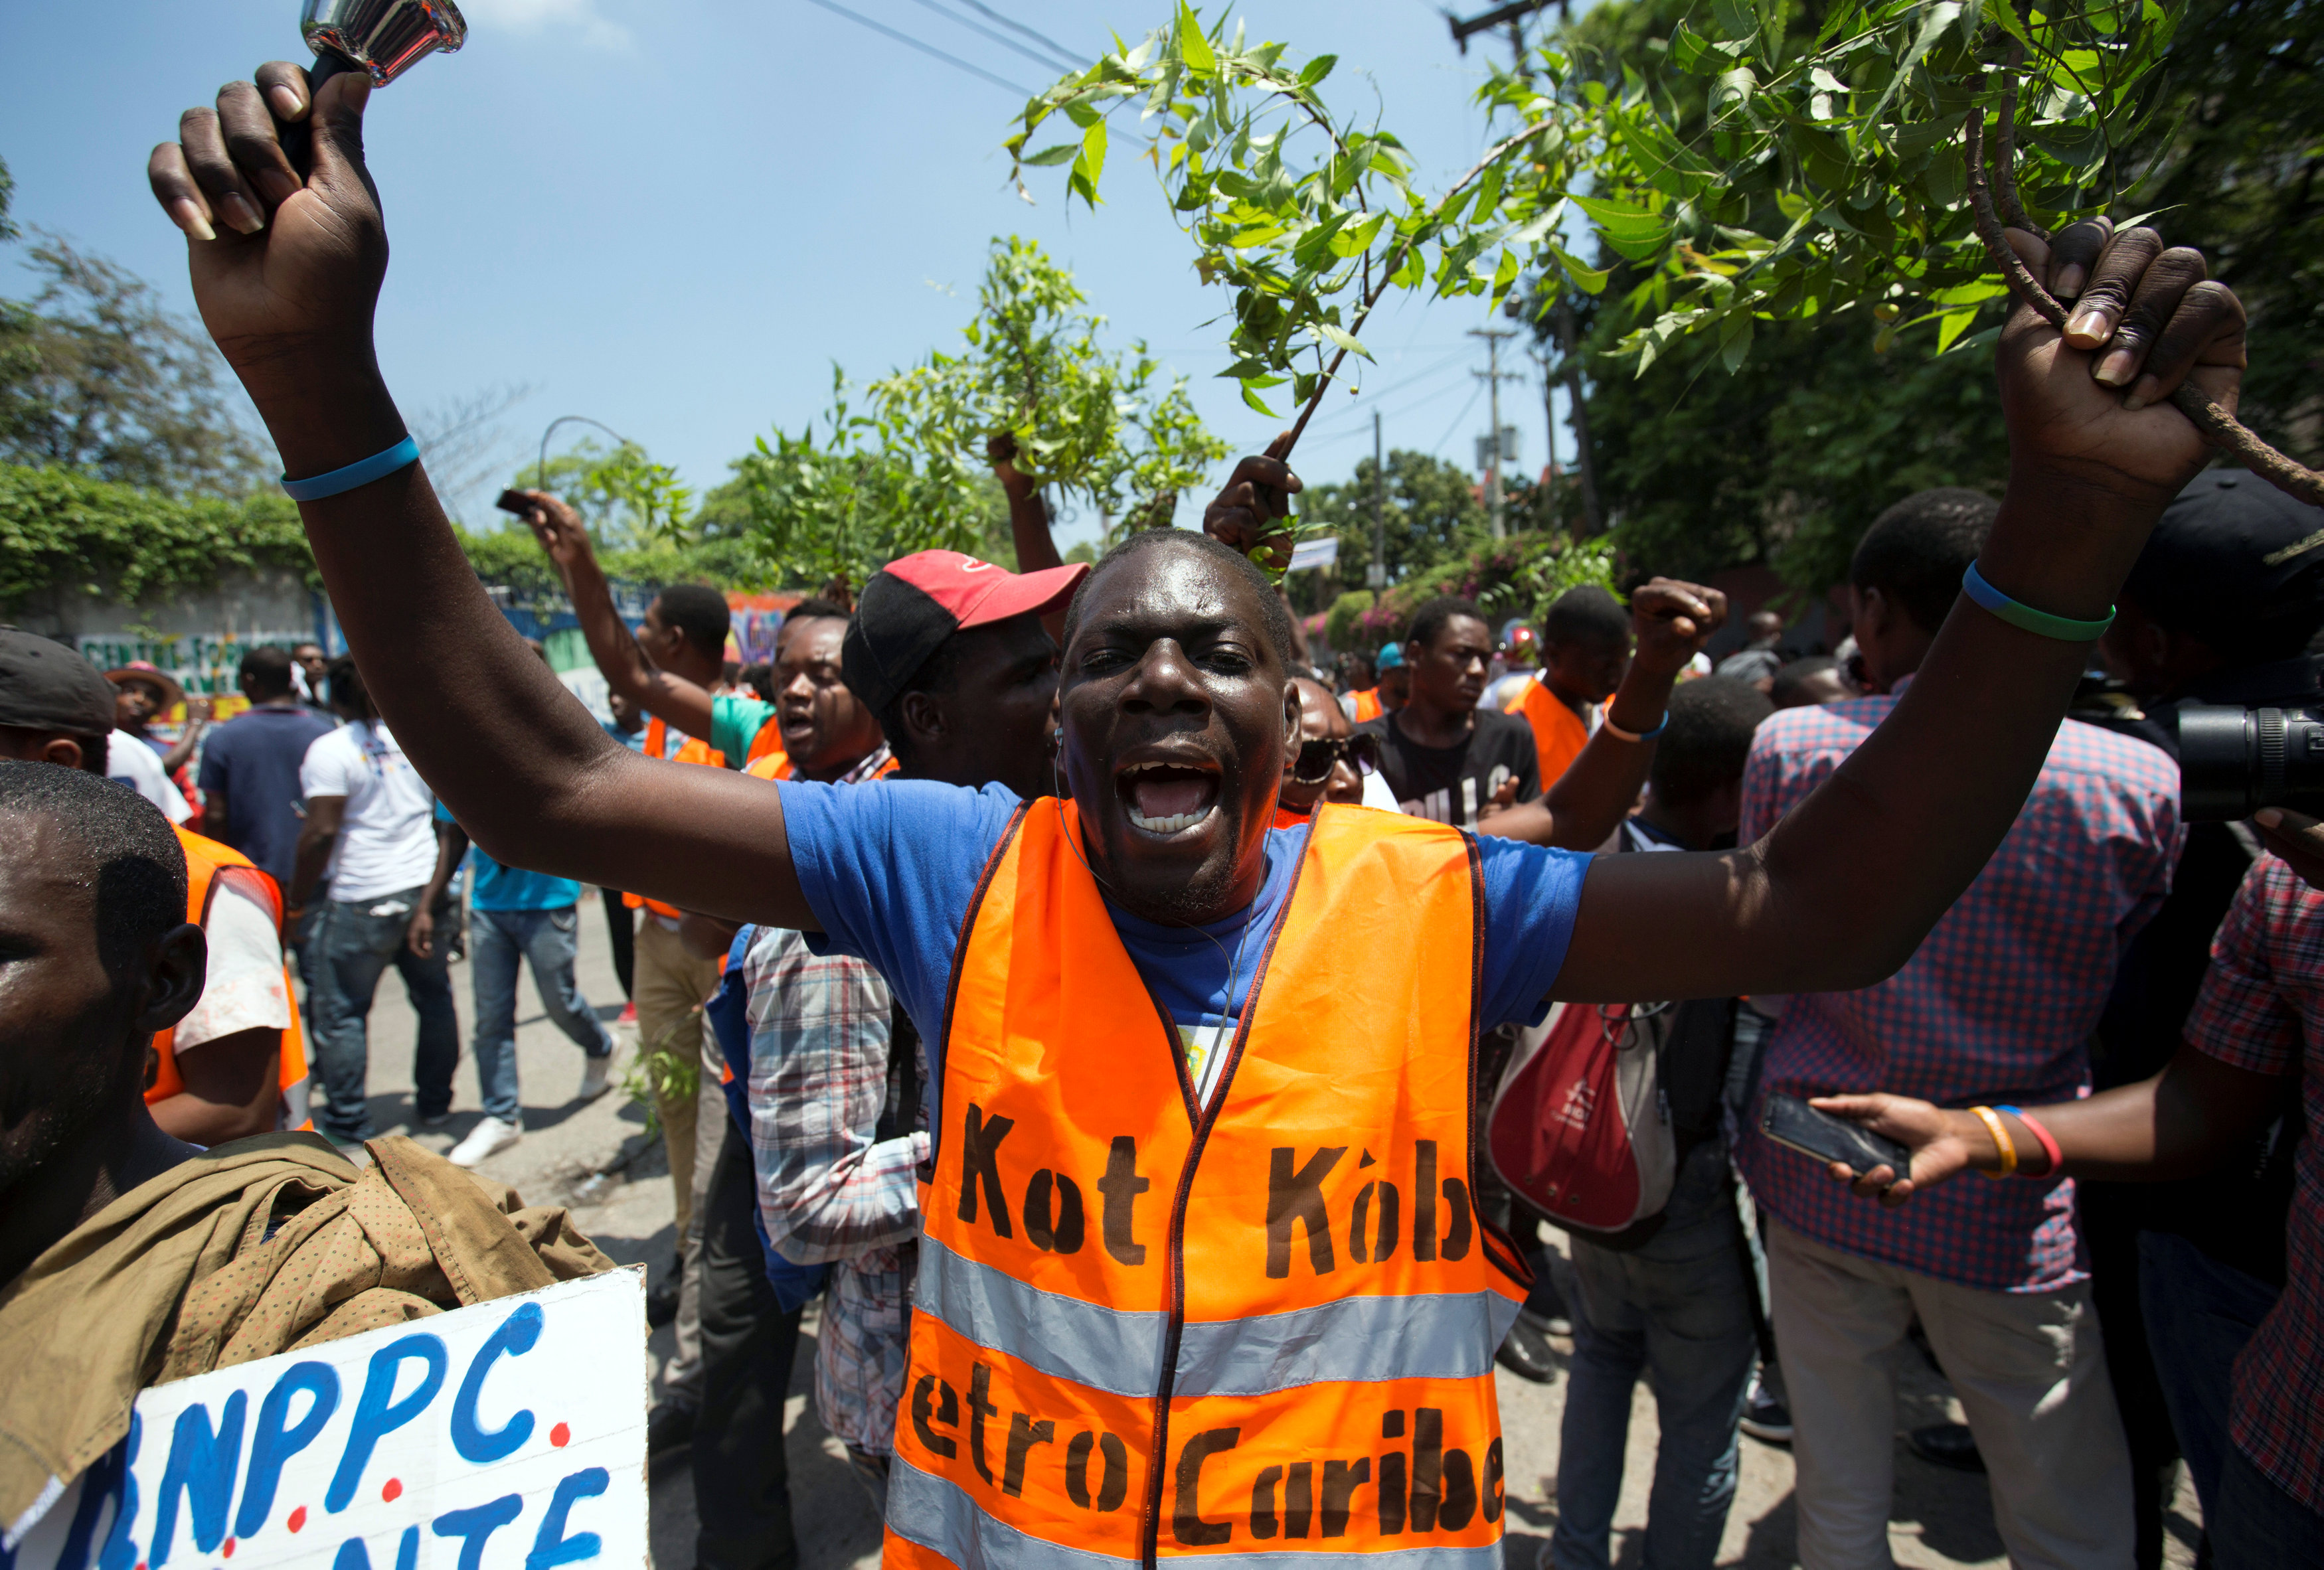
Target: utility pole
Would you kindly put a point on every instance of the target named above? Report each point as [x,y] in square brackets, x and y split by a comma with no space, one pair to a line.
[1376,576]
[1512,16]
[1494,376]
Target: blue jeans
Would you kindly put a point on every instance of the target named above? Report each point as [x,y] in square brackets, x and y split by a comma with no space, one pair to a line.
[546,939]
[2199,1315]
[353,945]
[1678,1309]
[2260,1526]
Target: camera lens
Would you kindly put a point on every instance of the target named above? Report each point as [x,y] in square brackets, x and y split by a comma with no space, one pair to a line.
[2232,762]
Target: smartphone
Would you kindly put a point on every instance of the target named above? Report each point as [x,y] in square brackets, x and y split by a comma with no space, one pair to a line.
[515,501]
[1790,1121]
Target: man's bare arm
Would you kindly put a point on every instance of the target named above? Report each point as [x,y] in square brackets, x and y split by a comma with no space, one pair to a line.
[318,832]
[1840,893]
[611,644]
[233,1084]
[511,752]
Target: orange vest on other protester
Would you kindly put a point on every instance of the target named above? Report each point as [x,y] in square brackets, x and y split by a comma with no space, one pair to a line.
[1367,705]
[1558,733]
[778,765]
[696,751]
[1144,1329]
[766,744]
[205,859]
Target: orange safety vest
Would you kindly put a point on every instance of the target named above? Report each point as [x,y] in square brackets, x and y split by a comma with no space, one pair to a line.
[1367,705]
[205,859]
[696,751]
[778,765]
[768,744]
[1558,733]
[1144,1329]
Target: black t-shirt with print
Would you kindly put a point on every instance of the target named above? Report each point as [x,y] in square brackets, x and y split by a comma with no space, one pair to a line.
[1448,785]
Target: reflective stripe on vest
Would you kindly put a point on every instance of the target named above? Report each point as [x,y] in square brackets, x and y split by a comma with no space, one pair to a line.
[1264,1329]
[696,751]
[1558,733]
[205,859]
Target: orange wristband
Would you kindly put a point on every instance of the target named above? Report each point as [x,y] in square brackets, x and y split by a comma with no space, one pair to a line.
[2001,1141]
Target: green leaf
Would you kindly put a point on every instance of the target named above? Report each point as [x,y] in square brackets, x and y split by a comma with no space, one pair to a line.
[1093,159]
[1934,19]
[1589,281]
[1316,70]
[1345,340]
[1252,398]
[1050,156]
[1735,342]
[1193,47]
[1953,325]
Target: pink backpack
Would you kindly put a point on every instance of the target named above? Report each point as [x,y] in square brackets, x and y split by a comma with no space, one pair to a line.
[1580,1130]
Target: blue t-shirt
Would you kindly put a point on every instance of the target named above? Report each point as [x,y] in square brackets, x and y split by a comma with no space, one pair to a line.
[890,872]
[254,757]
[494,887]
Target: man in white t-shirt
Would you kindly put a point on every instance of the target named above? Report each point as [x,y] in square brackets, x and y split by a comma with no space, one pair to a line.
[130,762]
[370,832]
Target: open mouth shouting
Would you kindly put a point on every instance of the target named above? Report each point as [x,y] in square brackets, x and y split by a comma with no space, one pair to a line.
[1165,799]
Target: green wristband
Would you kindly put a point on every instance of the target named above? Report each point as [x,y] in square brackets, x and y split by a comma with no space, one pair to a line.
[2064,629]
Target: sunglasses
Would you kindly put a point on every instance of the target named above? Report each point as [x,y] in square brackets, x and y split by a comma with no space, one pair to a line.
[1317,758]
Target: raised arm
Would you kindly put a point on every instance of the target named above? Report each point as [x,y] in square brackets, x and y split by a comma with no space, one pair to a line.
[287,265]
[1584,805]
[611,644]
[1840,893]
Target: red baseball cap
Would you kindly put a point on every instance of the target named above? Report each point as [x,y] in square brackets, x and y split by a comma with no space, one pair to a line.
[914,603]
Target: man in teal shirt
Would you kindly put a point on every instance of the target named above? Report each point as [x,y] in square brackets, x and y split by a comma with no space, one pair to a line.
[516,914]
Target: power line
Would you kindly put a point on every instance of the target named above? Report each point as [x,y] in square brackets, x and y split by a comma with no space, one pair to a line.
[1059,49]
[927,49]
[1004,41]
[1474,394]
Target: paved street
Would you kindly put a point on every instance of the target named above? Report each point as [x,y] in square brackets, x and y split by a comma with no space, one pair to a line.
[596,1158]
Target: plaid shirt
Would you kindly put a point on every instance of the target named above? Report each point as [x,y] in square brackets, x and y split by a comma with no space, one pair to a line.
[1998,1004]
[2261,1010]
[819,1034]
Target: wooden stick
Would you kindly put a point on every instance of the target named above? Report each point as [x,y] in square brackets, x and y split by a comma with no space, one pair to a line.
[2004,164]
[2219,427]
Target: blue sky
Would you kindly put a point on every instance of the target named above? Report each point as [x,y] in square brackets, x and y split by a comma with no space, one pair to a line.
[675,214]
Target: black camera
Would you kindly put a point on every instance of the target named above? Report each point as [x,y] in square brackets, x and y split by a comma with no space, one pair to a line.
[2232,762]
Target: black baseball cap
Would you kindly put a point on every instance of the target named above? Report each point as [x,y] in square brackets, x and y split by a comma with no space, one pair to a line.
[45,685]
[2236,563]
[914,602]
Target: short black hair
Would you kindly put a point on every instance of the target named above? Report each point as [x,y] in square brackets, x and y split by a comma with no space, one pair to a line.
[817,609]
[759,675]
[1916,551]
[135,862]
[1356,671]
[1789,689]
[1273,620]
[1434,615]
[1708,738]
[699,612]
[1586,613]
[266,670]
[347,689]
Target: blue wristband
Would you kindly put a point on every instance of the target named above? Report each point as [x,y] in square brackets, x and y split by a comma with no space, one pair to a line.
[1622,735]
[2065,629]
[404,454]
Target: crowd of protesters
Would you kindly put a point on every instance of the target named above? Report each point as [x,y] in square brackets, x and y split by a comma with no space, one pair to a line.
[1098,1006]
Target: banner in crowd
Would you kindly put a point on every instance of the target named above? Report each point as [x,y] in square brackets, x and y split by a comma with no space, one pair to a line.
[200,663]
[509,1436]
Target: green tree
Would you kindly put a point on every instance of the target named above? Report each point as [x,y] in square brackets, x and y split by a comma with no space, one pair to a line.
[1109,429]
[97,376]
[1430,515]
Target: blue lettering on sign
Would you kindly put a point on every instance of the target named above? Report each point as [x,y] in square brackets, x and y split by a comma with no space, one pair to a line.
[277,1439]
[476,1524]
[354,1555]
[120,1550]
[516,1335]
[550,1546]
[201,1467]
[379,1414]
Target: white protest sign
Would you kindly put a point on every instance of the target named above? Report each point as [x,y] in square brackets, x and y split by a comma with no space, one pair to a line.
[509,1436]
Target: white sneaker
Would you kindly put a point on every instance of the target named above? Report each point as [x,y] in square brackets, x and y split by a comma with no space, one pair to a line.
[489,1137]
[596,1078]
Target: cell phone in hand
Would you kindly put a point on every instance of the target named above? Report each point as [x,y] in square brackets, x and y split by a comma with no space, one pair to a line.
[1791,1122]
[515,501]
